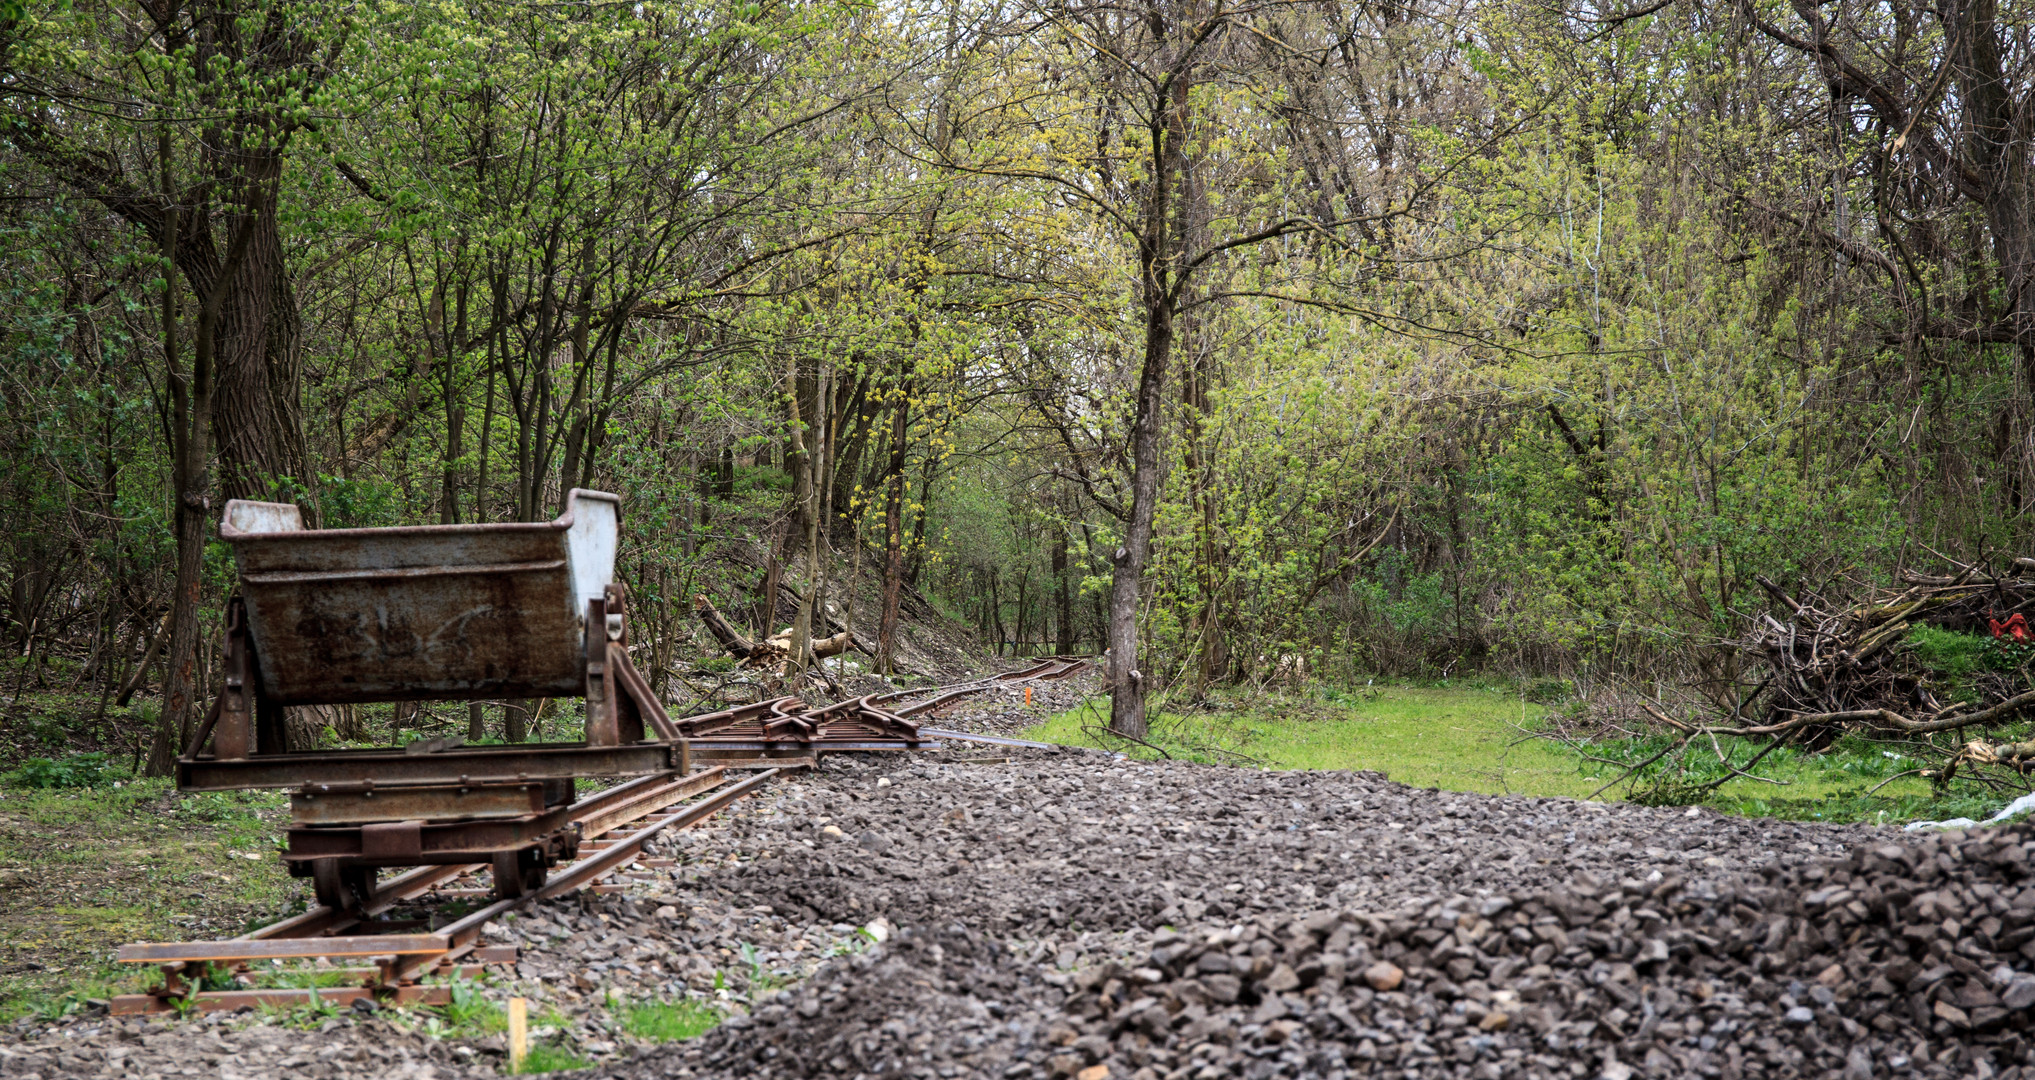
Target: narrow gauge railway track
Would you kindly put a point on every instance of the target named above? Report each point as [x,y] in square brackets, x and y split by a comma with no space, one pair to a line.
[401,951]
[396,935]
[786,729]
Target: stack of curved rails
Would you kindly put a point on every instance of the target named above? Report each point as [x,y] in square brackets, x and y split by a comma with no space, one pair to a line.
[421,923]
[787,730]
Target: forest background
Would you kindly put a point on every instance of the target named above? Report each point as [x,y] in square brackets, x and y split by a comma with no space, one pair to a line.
[1268,339]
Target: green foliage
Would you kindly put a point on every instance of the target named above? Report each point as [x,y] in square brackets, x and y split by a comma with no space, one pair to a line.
[359,503]
[1956,657]
[469,1014]
[1486,739]
[74,771]
[1549,691]
[551,1057]
[670,1021]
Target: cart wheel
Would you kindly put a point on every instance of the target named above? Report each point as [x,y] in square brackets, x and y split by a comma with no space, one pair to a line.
[325,883]
[347,889]
[517,876]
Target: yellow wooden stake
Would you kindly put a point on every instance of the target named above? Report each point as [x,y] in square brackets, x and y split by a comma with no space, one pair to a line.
[519,1033]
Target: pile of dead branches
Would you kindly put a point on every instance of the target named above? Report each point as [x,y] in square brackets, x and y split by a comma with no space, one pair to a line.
[1833,667]
[1822,666]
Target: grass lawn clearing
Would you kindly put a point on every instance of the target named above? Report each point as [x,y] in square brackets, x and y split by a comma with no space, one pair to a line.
[1479,738]
[84,870]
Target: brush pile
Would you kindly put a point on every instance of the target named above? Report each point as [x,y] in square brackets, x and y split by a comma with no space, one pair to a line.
[1944,655]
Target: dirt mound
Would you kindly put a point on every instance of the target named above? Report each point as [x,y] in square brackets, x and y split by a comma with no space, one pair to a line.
[1060,837]
[1852,967]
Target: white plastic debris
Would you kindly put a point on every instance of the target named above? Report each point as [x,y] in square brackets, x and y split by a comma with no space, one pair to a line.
[2024,804]
[1953,823]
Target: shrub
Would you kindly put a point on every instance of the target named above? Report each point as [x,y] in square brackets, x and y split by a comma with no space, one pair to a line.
[74,771]
[1549,691]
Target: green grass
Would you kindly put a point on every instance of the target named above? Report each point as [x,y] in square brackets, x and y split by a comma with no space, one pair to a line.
[670,1021]
[1479,738]
[551,1057]
[101,866]
[469,1014]
[1462,740]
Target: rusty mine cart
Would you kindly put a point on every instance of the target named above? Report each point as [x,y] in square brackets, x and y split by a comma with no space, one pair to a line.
[438,613]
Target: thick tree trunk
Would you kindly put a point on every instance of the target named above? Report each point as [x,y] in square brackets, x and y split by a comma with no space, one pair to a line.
[2000,153]
[256,420]
[1163,232]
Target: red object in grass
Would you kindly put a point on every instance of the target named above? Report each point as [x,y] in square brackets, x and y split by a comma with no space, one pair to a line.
[2015,627]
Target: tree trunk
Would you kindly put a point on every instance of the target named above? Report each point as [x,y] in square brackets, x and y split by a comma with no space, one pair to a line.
[811,459]
[180,681]
[1126,682]
[2000,152]
[893,537]
[257,421]
[1162,229]
[190,416]
[1064,593]
[729,638]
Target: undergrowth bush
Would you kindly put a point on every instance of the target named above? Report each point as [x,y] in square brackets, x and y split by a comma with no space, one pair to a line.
[72,771]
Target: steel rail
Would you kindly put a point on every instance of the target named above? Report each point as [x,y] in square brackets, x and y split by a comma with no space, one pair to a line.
[599,813]
[401,957]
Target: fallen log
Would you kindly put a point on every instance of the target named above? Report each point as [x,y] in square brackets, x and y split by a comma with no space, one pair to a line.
[729,638]
[773,650]
[822,647]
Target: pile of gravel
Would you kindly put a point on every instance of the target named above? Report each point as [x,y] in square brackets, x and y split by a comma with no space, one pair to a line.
[1063,914]
[231,1048]
[1067,917]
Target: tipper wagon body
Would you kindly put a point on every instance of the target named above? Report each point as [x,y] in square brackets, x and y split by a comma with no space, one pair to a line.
[437,613]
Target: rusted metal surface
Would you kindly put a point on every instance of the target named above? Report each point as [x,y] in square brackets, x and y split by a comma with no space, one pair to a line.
[283,948]
[471,764]
[622,850]
[229,1000]
[647,801]
[434,612]
[786,727]
[322,931]
[415,842]
[359,804]
[489,805]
